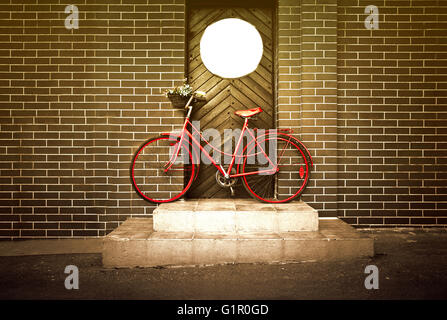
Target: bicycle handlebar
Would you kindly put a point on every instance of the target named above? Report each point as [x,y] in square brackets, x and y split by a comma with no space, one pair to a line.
[200,95]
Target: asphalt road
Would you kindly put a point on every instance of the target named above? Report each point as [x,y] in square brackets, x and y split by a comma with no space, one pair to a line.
[411,264]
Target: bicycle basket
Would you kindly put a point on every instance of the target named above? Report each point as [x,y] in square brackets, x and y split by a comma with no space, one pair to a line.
[177,100]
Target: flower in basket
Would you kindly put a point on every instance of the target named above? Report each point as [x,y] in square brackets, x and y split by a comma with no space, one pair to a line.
[185,91]
[180,95]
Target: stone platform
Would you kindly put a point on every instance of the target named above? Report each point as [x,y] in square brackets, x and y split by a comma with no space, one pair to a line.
[234,215]
[136,244]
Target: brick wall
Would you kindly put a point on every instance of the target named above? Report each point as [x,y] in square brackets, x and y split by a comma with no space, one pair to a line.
[307,90]
[392,111]
[76,104]
[288,66]
[319,100]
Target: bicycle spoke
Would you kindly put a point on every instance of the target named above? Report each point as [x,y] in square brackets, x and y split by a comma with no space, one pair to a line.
[282,152]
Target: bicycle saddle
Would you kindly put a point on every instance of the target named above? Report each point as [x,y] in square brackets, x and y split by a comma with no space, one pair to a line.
[248,113]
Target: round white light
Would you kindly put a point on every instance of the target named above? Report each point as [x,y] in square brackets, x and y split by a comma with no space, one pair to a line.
[231,48]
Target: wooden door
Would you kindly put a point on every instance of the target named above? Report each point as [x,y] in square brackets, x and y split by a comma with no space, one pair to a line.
[228,95]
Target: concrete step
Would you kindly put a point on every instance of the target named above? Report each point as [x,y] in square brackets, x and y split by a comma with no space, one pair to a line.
[136,244]
[234,215]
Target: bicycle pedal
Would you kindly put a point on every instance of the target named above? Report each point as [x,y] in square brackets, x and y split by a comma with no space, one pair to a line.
[232,191]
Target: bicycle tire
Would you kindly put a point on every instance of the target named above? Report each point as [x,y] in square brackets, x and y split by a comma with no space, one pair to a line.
[160,186]
[262,187]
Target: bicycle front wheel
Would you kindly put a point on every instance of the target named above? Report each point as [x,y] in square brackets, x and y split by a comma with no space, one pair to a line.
[149,175]
[283,184]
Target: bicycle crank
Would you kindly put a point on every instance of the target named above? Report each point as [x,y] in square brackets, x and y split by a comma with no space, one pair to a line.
[226,182]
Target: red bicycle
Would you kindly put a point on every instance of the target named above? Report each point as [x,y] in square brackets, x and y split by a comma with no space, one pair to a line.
[274,165]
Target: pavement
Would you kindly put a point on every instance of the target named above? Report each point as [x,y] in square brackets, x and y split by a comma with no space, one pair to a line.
[45,247]
[412,264]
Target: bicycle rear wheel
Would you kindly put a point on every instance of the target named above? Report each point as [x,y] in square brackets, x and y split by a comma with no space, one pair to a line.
[292,173]
[148,170]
